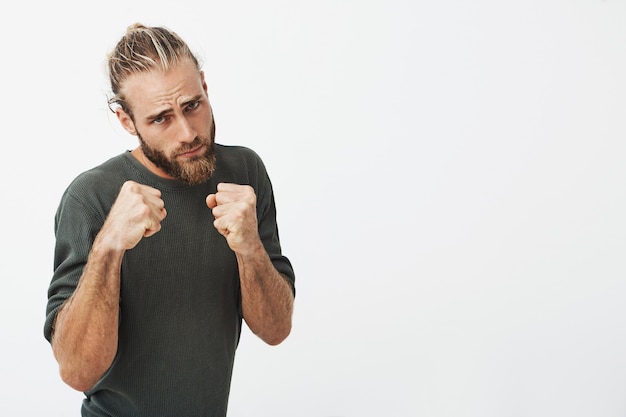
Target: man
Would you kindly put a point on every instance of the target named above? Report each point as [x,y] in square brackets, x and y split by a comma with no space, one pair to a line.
[161,251]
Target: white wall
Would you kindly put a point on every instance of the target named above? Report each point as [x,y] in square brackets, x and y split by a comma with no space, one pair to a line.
[450,182]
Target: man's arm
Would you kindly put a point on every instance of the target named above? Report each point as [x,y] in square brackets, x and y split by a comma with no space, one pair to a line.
[85,335]
[266,296]
[84,341]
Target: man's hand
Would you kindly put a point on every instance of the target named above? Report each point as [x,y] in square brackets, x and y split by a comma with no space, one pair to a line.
[136,213]
[234,209]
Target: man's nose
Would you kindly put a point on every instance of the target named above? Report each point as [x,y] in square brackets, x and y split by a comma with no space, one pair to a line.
[186,132]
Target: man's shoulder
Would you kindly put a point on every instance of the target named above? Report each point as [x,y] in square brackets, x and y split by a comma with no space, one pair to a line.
[238,164]
[235,152]
[102,179]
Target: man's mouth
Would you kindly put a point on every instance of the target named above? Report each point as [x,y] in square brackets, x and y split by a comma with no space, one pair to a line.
[192,152]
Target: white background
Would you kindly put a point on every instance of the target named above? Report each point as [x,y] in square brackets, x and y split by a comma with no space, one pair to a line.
[450,180]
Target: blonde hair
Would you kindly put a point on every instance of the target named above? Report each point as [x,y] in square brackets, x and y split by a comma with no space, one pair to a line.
[144,49]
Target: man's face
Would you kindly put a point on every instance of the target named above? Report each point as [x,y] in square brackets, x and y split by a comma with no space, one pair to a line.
[172,117]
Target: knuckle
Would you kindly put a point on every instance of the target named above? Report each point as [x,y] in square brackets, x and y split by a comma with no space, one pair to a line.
[129,185]
[145,210]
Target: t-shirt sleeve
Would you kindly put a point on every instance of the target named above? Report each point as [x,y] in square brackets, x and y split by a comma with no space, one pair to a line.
[76,226]
[268,228]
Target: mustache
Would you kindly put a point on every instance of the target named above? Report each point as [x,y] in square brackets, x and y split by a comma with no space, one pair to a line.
[198,140]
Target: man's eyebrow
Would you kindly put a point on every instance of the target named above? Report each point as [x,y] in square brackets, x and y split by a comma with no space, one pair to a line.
[163,112]
[193,99]
[159,114]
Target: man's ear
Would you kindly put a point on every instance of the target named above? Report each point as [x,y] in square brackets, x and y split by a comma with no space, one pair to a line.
[204,86]
[126,121]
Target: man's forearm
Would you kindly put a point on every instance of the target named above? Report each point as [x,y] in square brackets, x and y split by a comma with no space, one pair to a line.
[85,334]
[267,297]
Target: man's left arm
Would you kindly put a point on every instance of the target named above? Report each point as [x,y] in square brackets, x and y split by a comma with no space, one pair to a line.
[267,297]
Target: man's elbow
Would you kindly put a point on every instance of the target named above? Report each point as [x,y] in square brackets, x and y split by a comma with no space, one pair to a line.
[76,379]
[82,373]
[277,336]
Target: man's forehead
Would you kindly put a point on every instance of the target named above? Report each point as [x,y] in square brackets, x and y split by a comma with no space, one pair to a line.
[155,87]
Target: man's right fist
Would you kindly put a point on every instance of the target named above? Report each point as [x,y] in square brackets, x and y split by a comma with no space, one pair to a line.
[136,213]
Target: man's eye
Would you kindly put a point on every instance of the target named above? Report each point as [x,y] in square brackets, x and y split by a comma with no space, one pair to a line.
[158,120]
[193,106]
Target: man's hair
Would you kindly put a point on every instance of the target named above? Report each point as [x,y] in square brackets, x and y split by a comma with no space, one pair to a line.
[144,49]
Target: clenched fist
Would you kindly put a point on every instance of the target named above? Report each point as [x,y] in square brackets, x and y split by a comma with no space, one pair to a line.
[136,213]
[234,209]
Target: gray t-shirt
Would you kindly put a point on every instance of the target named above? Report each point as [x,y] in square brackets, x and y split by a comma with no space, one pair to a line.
[180,303]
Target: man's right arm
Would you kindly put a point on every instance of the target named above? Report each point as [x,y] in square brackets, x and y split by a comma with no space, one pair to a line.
[85,334]
[84,341]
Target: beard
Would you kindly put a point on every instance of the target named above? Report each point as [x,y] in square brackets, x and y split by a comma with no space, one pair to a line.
[191,171]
